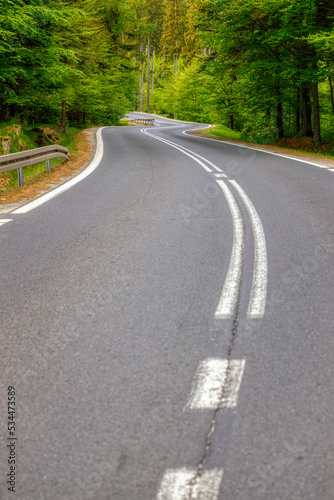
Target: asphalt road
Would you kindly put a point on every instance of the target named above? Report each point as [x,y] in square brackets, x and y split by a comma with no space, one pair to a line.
[167,324]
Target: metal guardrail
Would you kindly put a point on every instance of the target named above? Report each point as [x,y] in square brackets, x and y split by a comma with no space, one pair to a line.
[17,161]
[145,121]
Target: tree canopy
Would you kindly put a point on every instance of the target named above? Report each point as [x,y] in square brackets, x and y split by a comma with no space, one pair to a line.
[264,67]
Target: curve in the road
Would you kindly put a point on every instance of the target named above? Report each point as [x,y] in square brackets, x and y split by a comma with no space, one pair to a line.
[229,295]
[69,184]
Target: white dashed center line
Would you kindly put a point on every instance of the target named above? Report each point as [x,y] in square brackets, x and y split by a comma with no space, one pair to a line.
[178,484]
[208,390]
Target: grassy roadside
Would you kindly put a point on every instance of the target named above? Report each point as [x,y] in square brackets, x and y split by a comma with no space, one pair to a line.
[297,144]
[223,132]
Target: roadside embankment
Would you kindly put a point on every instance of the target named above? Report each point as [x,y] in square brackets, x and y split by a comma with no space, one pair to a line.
[36,179]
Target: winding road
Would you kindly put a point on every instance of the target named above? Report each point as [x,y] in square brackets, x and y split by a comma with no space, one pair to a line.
[167,322]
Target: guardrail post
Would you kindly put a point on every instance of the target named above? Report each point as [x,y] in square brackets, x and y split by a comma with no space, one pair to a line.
[20,175]
[17,161]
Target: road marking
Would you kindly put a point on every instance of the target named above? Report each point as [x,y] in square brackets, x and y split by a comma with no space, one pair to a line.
[229,295]
[180,484]
[4,221]
[331,170]
[211,377]
[67,185]
[257,149]
[198,156]
[185,150]
[220,175]
[257,303]
[176,146]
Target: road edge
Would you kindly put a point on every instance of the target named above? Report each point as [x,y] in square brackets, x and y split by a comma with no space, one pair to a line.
[65,186]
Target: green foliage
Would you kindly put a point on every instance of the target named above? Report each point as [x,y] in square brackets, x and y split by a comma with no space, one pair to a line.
[257,66]
[191,96]
[276,53]
[64,51]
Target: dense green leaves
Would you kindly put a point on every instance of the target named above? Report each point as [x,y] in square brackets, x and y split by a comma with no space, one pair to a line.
[52,52]
[264,67]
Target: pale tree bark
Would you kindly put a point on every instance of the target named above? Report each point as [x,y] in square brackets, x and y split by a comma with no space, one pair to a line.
[153,64]
[175,71]
[176,42]
[141,82]
[148,74]
[141,89]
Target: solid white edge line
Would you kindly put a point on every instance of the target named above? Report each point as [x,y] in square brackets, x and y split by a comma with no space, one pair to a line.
[257,303]
[177,147]
[211,374]
[184,484]
[229,293]
[258,149]
[69,184]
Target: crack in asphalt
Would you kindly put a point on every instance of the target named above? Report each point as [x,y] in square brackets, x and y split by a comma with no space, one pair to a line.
[208,440]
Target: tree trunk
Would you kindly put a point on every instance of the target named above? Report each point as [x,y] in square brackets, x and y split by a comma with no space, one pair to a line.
[148,74]
[63,116]
[230,115]
[279,113]
[231,122]
[332,96]
[141,89]
[267,117]
[153,64]
[306,112]
[316,116]
[175,71]
[298,113]
[141,82]
[279,120]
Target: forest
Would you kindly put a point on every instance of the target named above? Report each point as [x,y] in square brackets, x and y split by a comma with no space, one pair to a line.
[264,68]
